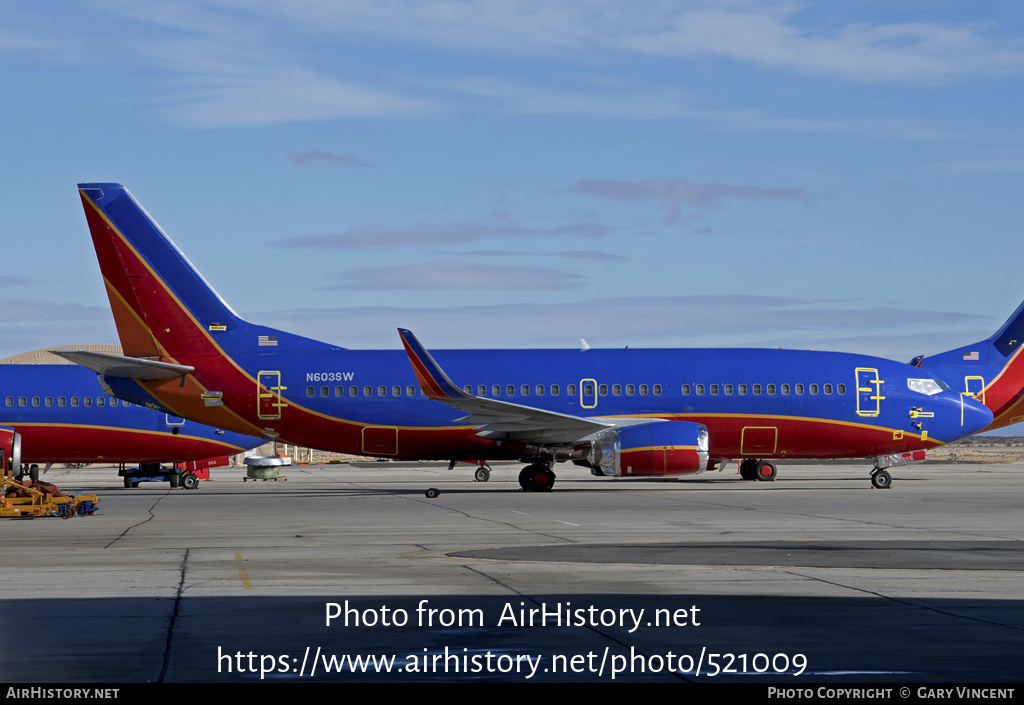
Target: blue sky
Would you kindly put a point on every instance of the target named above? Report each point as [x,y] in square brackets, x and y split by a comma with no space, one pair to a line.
[513,173]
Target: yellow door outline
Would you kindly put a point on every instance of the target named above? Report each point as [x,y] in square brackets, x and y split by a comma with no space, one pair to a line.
[379,451]
[869,401]
[268,395]
[979,387]
[584,398]
[759,451]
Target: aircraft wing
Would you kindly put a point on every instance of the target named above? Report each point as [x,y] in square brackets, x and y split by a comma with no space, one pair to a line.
[497,419]
[120,366]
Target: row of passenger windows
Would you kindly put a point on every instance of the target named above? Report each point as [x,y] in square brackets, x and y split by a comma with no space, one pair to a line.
[63,401]
[497,390]
[756,389]
[629,390]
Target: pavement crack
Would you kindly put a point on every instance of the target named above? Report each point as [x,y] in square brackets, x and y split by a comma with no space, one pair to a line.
[908,603]
[152,515]
[174,617]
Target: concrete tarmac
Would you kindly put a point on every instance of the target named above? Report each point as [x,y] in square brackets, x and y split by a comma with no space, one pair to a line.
[813,578]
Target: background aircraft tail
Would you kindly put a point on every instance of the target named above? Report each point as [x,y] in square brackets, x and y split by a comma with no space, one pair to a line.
[162,305]
[991,370]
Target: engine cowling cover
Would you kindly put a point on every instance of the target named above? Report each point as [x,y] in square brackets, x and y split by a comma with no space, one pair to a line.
[651,449]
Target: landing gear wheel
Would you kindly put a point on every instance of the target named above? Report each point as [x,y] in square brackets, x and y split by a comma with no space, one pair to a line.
[748,469]
[190,482]
[881,480]
[766,471]
[536,478]
[433,493]
[482,474]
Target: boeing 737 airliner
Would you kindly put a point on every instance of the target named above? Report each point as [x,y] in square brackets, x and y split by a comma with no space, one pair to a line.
[61,418]
[619,412]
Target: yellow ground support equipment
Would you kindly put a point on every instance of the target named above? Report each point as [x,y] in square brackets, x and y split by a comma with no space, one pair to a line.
[34,498]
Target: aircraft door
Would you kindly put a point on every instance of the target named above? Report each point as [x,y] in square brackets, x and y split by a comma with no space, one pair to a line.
[268,391]
[869,391]
[974,385]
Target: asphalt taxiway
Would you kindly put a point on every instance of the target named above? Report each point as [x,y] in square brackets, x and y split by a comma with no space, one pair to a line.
[812,578]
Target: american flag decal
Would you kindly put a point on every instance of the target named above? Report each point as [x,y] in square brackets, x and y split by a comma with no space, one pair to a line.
[973,355]
[268,341]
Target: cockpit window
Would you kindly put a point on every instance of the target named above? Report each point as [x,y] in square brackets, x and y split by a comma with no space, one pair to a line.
[924,386]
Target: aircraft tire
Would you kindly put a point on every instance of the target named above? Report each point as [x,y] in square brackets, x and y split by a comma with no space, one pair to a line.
[748,469]
[190,481]
[432,493]
[482,474]
[536,478]
[766,471]
[881,480]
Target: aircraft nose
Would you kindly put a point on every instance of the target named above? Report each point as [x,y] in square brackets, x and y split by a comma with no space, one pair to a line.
[976,416]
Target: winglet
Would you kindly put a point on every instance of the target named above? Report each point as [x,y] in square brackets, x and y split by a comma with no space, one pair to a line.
[433,381]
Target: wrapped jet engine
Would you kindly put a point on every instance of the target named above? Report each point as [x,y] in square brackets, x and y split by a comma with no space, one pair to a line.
[649,449]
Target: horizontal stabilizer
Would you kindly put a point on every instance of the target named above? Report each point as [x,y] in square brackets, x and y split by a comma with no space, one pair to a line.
[119,366]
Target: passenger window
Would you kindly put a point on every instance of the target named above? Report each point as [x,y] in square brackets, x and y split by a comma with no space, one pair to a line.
[396,390]
[686,390]
[785,389]
[588,389]
[643,390]
[799,389]
[524,389]
[468,388]
[757,389]
[100,401]
[814,389]
[616,390]
[554,390]
[841,389]
[87,401]
[828,389]
[35,401]
[496,390]
[113,401]
[325,391]
[22,401]
[10,401]
[382,391]
[714,389]
[657,390]
[630,390]
[74,401]
[771,389]
[700,389]
[603,390]
[728,390]
[353,391]
[339,391]
[310,392]
[61,401]
[481,390]
[410,391]
[367,391]
[743,389]
[539,389]
[572,390]
[49,401]
[510,390]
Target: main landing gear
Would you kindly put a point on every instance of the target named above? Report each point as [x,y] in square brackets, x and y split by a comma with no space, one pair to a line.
[536,478]
[754,469]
